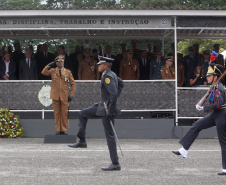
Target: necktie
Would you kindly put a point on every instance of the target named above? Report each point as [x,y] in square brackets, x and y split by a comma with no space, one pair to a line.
[60,72]
[28,63]
[170,70]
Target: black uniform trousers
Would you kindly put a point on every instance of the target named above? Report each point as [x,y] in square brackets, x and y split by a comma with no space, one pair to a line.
[216,118]
[90,112]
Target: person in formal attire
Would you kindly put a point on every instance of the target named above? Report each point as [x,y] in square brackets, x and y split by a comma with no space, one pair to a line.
[88,69]
[168,71]
[7,68]
[155,67]
[136,51]
[75,62]
[28,67]
[119,57]
[198,78]
[205,61]
[215,118]
[150,54]
[43,57]
[18,55]
[190,62]
[32,51]
[144,64]
[111,87]
[60,94]
[129,68]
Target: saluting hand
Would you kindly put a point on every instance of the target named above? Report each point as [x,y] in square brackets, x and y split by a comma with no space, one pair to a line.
[51,64]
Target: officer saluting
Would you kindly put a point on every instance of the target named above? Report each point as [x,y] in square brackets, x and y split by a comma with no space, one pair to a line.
[59,92]
[111,87]
[215,118]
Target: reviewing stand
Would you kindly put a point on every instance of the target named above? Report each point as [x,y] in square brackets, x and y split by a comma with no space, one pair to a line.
[60,139]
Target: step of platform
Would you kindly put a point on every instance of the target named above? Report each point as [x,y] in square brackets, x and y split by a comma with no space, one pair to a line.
[60,139]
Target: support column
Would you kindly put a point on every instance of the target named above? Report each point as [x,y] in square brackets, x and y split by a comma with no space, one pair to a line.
[175,51]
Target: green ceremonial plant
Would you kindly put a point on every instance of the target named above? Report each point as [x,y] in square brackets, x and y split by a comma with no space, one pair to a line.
[10,126]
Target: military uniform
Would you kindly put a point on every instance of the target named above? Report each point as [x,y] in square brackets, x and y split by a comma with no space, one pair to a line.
[216,118]
[155,69]
[59,94]
[111,87]
[168,72]
[129,69]
[88,70]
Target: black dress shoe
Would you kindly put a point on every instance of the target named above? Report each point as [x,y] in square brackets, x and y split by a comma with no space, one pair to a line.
[63,133]
[112,167]
[222,173]
[57,133]
[176,152]
[78,145]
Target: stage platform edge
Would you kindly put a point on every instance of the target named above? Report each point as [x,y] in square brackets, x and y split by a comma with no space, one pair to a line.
[60,139]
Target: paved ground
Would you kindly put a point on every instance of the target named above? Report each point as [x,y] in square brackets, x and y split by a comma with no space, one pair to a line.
[150,161]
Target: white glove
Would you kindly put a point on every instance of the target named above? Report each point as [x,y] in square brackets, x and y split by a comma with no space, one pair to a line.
[199,108]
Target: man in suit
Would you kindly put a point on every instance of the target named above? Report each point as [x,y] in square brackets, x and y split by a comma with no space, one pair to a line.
[75,62]
[155,67]
[190,62]
[136,51]
[7,68]
[43,57]
[144,64]
[111,87]
[17,56]
[59,92]
[28,67]
[150,54]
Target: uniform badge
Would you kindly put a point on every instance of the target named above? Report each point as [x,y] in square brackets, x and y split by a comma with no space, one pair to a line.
[66,78]
[135,68]
[107,80]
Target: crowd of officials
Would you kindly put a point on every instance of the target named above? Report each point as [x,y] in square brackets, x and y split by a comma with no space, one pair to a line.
[129,64]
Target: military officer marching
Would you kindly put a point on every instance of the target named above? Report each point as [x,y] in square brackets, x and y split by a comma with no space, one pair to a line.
[216,117]
[129,68]
[111,87]
[88,69]
[59,92]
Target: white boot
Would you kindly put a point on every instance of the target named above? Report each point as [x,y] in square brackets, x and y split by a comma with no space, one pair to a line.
[183,152]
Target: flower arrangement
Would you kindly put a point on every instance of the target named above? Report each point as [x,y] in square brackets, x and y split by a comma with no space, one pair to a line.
[10,126]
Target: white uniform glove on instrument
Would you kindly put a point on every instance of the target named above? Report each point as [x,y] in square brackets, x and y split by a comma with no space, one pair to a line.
[199,108]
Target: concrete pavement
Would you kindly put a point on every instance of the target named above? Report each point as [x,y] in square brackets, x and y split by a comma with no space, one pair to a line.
[146,161]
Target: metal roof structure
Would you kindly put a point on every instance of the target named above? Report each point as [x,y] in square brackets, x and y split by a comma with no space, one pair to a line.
[101,23]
